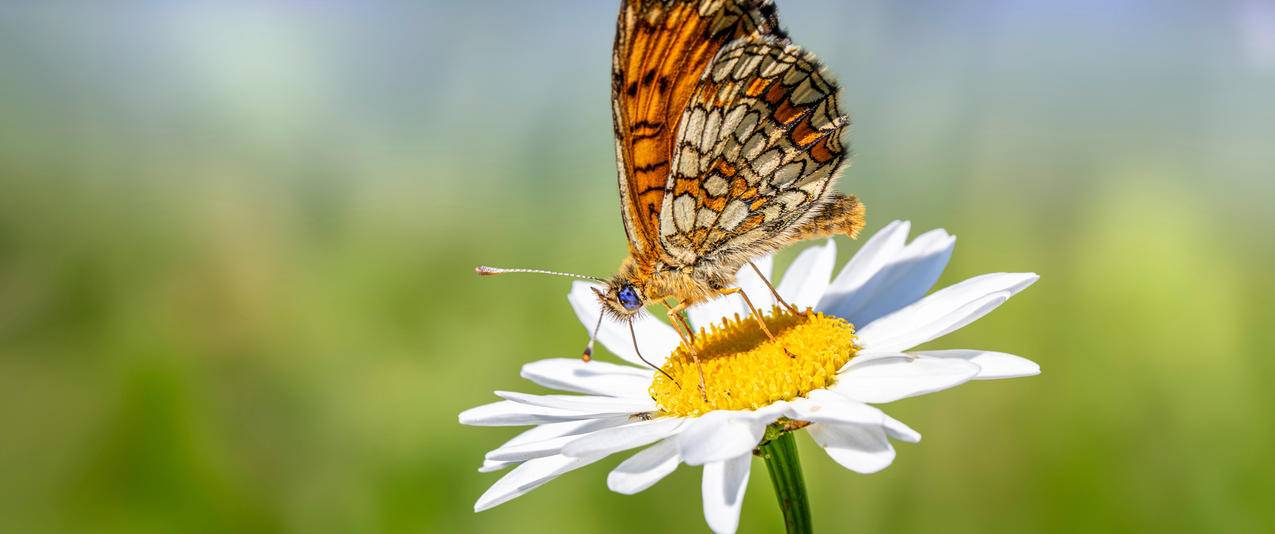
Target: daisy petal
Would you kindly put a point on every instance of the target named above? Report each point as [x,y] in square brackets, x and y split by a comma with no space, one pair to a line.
[897,430]
[992,365]
[620,438]
[806,279]
[944,311]
[596,378]
[522,448]
[644,469]
[859,448]
[595,404]
[822,406]
[906,334]
[901,280]
[553,430]
[871,257]
[526,451]
[490,466]
[716,436]
[723,488]
[723,434]
[655,339]
[528,476]
[887,379]
[509,413]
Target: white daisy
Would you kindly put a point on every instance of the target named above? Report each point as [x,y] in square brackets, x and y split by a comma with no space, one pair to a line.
[827,386]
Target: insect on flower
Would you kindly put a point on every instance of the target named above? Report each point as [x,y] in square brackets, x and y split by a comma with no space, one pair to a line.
[728,138]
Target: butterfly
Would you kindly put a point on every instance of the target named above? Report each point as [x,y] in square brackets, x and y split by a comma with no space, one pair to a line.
[728,141]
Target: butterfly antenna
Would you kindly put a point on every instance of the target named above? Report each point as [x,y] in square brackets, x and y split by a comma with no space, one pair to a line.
[588,349]
[484,270]
[633,335]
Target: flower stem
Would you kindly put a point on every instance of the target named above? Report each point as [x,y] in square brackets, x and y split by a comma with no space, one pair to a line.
[781,458]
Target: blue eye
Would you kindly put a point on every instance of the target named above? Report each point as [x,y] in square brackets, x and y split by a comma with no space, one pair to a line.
[629,298]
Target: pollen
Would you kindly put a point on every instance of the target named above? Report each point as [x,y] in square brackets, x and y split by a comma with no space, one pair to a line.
[745,369]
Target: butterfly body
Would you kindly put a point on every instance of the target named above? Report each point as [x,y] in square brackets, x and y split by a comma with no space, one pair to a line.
[690,284]
[728,139]
[654,282]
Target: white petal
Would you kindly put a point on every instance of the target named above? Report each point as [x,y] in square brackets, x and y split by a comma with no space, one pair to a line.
[859,448]
[991,364]
[900,280]
[644,469]
[716,436]
[553,430]
[878,250]
[723,488]
[897,430]
[595,404]
[723,434]
[807,278]
[616,439]
[598,378]
[528,476]
[509,413]
[655,339]
[527,451]
[490,466]
[904,334]
[944,311]
[865,356]
[523,447]
[890,378]
[823,406]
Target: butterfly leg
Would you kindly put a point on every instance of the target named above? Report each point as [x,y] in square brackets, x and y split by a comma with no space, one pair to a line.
[675,317]
[773,291]
[756,314]
[690,332]
[751,309]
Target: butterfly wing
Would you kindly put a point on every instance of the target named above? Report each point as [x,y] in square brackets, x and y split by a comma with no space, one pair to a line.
[662,48]
[758,150]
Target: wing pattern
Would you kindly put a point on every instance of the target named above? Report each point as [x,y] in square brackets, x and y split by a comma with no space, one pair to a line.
[662,48]
[758,146]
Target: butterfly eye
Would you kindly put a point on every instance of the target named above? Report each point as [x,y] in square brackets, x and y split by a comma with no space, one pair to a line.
[629,298]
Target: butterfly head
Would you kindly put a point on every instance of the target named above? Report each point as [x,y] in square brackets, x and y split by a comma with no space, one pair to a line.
[628,297]
[621,299]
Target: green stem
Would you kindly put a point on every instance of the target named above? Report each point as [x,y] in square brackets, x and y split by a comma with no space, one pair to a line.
[781,458]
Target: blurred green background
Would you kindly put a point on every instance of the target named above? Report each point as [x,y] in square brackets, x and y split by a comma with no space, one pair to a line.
[236,242]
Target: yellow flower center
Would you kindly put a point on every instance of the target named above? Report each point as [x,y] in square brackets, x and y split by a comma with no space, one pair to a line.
[744,369]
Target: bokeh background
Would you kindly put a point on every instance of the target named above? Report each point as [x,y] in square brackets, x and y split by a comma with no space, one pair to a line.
[236,242]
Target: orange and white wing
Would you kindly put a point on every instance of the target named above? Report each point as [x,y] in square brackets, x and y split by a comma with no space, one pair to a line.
[758,148]
[662,48]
